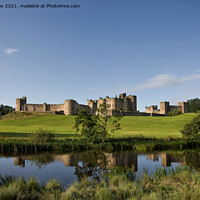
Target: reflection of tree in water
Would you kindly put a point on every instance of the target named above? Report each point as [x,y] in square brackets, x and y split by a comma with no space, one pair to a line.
[93,165]
[41,160]
[193,159]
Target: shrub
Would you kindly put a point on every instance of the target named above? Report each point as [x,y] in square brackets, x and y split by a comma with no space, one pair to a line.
[192,129]
[174,113]
[42,136]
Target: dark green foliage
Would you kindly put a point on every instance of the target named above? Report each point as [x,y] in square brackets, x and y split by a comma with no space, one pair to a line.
[192,129]
[194,105]
[88,125]
[42,136]
[5,109]
[96,128]
[174,113]
[117,144]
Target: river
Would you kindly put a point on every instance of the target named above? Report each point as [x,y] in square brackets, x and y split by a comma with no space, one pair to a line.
[70,167]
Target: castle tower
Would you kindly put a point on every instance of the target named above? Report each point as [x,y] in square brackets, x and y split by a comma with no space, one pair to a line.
[133,104]
[164,107]
[70,107]
[44,107]
[20,104]
[183,107]
[92,105]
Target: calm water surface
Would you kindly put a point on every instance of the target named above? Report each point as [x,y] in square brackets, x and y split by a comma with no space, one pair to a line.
[71,167]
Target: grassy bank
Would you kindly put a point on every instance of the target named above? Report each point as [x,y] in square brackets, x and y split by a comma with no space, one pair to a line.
[132,144]
[22,124]
[181,183]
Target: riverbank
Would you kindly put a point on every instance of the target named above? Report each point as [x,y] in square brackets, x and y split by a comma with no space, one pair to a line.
[20,125]
[181,183]
[137,144]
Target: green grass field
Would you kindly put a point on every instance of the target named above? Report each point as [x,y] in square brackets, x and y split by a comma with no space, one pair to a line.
[21,124]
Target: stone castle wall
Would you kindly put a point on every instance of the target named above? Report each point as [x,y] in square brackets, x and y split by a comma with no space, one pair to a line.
[71,107]
[165,108]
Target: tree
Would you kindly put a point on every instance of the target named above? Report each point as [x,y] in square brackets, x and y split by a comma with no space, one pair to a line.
[105,122]
[88,125]
[96,128]
[192,129]
[194,105]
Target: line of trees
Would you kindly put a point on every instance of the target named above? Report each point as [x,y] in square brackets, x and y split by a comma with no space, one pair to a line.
[5,109]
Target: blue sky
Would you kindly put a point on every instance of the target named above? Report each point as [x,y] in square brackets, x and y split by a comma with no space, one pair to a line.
[149,48]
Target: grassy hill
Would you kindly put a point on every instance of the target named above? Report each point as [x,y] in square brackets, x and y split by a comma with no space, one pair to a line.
[21,124]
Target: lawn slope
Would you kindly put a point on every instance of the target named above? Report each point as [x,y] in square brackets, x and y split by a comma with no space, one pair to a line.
[159,127]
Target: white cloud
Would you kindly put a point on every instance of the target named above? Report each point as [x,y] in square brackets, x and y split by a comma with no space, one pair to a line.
[165,80]
[159,81]
[10,51]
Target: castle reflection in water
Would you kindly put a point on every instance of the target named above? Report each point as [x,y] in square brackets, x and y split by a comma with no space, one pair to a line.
[120,159]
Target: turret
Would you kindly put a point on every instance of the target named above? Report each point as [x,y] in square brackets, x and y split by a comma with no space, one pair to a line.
[20,104]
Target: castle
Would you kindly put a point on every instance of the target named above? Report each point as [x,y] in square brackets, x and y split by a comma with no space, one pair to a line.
[71,107]
[122,105]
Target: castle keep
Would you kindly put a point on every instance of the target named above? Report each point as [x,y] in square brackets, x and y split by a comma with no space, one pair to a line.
[123,103]
[71,107]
